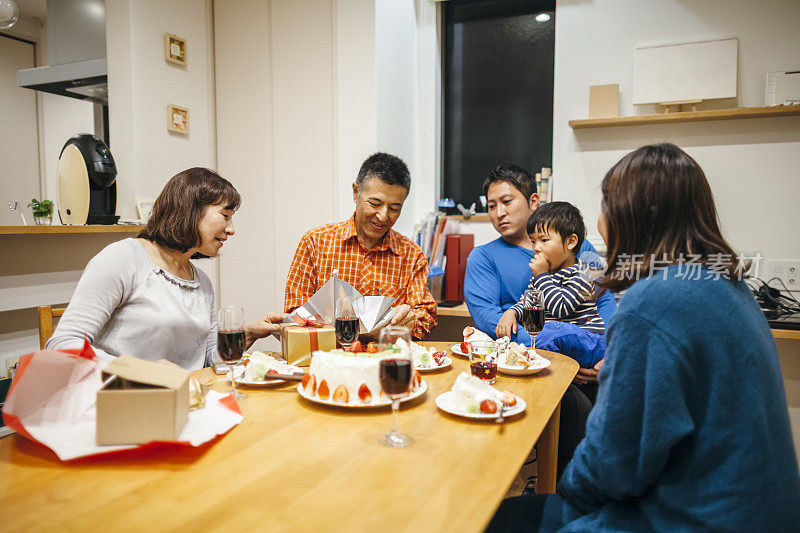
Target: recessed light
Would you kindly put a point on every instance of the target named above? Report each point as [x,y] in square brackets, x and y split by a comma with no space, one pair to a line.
[542,17]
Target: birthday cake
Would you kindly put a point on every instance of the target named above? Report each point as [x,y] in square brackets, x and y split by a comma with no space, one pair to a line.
[349,378]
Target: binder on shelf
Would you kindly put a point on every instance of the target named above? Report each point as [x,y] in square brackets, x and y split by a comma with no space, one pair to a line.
[457,249]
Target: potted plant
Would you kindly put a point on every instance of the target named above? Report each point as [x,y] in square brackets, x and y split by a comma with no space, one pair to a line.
[42,212]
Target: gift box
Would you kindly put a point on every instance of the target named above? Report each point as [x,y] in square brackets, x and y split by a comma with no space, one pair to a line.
[299,342]
[141,402]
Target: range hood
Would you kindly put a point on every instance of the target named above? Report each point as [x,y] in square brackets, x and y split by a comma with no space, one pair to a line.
[76,50]
[86,80]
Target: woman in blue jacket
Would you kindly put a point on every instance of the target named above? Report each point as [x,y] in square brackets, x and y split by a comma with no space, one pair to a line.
[690,430]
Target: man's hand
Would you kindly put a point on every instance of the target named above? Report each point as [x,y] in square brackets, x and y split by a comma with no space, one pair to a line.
[261,327]
[403,316]
[539,264]
[585,375]
[598,365]
[507,325]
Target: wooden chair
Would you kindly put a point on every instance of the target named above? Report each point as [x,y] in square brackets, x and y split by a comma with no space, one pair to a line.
[46,314]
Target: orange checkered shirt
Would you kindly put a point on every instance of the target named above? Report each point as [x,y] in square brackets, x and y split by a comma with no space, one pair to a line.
[396,267]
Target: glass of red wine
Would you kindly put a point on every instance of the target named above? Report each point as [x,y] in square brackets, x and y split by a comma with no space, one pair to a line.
[346,322]
[533,313]
[395,376]
[230,343]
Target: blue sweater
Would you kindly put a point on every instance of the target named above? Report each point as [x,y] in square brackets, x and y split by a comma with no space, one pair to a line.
[690,430]
[497,275]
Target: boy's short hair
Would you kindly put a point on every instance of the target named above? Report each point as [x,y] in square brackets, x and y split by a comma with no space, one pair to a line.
[561,217]
[514,175]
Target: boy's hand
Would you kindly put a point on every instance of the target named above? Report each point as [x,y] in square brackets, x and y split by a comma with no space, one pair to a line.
[539,264]
[507,324]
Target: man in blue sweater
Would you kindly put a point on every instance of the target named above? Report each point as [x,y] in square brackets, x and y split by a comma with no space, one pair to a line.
[498,272]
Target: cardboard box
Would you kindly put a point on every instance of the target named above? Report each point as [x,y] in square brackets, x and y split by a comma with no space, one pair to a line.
[604,101]
[144,402]
[298,342]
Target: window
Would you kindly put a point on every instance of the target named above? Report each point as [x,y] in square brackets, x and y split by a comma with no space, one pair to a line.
[498,90]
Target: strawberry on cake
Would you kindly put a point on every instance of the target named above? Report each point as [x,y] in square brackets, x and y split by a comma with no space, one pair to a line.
[349,378]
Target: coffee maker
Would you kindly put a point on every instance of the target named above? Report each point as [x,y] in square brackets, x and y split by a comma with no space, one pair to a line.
[87,188]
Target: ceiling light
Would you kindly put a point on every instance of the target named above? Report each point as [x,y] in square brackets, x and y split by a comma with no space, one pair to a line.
[542,17]
[9,14]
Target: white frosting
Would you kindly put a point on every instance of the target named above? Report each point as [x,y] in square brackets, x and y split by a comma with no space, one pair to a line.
[469,391]
[260,363]
[350,371]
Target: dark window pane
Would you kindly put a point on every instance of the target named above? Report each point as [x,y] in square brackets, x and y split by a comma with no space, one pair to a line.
[498,90]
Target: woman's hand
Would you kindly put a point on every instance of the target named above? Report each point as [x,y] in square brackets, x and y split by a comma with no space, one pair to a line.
[261,327]
[403,316]
[507,324]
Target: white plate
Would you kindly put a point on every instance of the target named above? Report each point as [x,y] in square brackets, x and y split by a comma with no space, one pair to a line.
[447,362]
[456,349]
[382,403]
[446,402]
[241,381]
[514,370]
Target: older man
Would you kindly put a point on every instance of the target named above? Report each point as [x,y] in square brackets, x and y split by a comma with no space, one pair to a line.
[367,252]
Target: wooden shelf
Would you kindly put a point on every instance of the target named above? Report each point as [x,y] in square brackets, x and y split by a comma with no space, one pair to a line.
[786,334]
[688,116]
[459,310]
[476,217]
[94,228]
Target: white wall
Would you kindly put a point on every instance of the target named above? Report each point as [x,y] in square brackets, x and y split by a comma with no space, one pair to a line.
[752,165]
[141,84]
[408,93]
[296,117]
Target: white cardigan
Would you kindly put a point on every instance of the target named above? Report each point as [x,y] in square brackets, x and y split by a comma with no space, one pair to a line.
[125,304]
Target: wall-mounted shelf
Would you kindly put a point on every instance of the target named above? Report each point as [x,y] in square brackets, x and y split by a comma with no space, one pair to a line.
[474,218]
[98,228]
[688,116]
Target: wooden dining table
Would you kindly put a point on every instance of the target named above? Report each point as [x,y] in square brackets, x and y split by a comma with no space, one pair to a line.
[295,465]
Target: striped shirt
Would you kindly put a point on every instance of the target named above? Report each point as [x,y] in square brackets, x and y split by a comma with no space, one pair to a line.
[568,297]
[395,267]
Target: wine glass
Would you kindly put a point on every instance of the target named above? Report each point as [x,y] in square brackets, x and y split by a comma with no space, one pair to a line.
[346,323]
[230,342]
[533,313]
[483,360]
[395,376]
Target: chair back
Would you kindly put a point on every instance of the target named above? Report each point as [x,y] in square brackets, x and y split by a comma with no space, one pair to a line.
[46,314]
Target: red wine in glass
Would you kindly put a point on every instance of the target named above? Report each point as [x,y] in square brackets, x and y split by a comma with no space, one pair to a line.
[532,319]
[395,375]
[346,330]
[485,370]
[230,344]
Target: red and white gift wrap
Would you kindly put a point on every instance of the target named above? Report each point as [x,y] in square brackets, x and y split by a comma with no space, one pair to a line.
[52,401]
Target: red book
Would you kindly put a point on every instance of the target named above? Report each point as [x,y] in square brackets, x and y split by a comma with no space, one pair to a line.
[466,243]
[451,268]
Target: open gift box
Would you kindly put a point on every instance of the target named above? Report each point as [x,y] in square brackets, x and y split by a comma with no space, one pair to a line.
[142,402]
[53,401]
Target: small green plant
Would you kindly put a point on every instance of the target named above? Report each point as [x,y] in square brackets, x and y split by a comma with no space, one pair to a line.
[41,209]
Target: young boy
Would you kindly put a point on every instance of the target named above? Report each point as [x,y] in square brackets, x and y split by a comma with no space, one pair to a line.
[557,231]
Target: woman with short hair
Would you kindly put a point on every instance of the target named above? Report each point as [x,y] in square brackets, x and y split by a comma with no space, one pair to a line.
[143,297]
[690,431]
